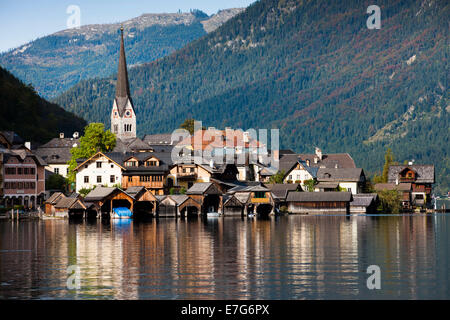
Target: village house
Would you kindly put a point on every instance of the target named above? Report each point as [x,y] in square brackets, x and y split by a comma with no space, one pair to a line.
[98,170]
[56,153]
[185,175]
[348,179]
[23,178]
[421,178]
[147,170]
[299,168]
[208,195]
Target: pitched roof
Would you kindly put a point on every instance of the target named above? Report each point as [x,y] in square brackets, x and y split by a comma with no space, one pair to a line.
[199,188]
[179,198]
[133,191]
[363,200]
[55,197]
[158,139]
[425,173]
[60,143]
[54,155]
[281,191]
[319,196]
[67,203]
[340,174]
[242,196]
[327,185]
[101,193]
[393,186]
[341,160]
[12,137]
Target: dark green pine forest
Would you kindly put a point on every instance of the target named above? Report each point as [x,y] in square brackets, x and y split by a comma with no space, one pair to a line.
[312,69]
[30,116]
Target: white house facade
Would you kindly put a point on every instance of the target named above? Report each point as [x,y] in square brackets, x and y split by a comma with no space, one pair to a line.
[98,170]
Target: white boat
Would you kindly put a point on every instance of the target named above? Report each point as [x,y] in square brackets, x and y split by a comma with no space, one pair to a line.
[213,214]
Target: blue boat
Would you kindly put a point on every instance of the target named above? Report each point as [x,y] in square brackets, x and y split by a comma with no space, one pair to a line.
[122,213]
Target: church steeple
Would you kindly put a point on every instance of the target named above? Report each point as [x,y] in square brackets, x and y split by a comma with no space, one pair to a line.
[123,117]
[122,87]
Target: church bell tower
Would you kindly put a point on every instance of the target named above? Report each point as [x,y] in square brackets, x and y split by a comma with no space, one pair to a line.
[123,117]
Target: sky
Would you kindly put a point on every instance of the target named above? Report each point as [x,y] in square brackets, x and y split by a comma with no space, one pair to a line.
[22,21]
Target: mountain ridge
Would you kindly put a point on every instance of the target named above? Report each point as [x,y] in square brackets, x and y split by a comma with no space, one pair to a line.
[310,68]
[54,63]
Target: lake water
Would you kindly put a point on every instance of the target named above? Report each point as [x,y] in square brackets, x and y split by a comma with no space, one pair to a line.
[292,257]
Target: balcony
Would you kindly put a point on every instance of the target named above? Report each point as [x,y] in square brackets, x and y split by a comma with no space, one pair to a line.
[187,176]
[260,200]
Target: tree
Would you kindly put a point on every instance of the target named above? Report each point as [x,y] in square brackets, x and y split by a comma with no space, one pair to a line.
[390,201]
[55,182]
[277,178]
[95,139]
[309,184]
[188,125]
[388,160]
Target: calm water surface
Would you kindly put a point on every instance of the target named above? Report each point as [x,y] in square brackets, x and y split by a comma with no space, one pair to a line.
[293,257]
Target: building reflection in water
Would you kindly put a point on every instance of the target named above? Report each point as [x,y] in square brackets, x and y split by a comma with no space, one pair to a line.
[295,257]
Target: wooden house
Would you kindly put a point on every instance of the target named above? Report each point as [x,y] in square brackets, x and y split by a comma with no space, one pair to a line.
[319,202]
[207,195]
[421,178]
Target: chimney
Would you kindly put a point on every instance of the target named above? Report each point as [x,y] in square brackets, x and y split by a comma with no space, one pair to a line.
[28,145]
[319,153]
[61,135]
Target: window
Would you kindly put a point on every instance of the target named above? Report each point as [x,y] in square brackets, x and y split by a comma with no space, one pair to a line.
[32,170]
[151,164]
[144,178]
[10,170]
[112,179]
[86,179]
[67,171]
[19,170]
[130,179]
[260,194]
[116,127]
[99,179]
[112,166]
[130,164]
[56,170]
[99,164]
[85,166]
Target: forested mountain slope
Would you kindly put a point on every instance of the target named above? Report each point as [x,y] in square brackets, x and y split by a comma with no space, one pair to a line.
[312,69]
[30,116]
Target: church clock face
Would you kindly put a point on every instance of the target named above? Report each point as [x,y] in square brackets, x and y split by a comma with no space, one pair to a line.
[128,114]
